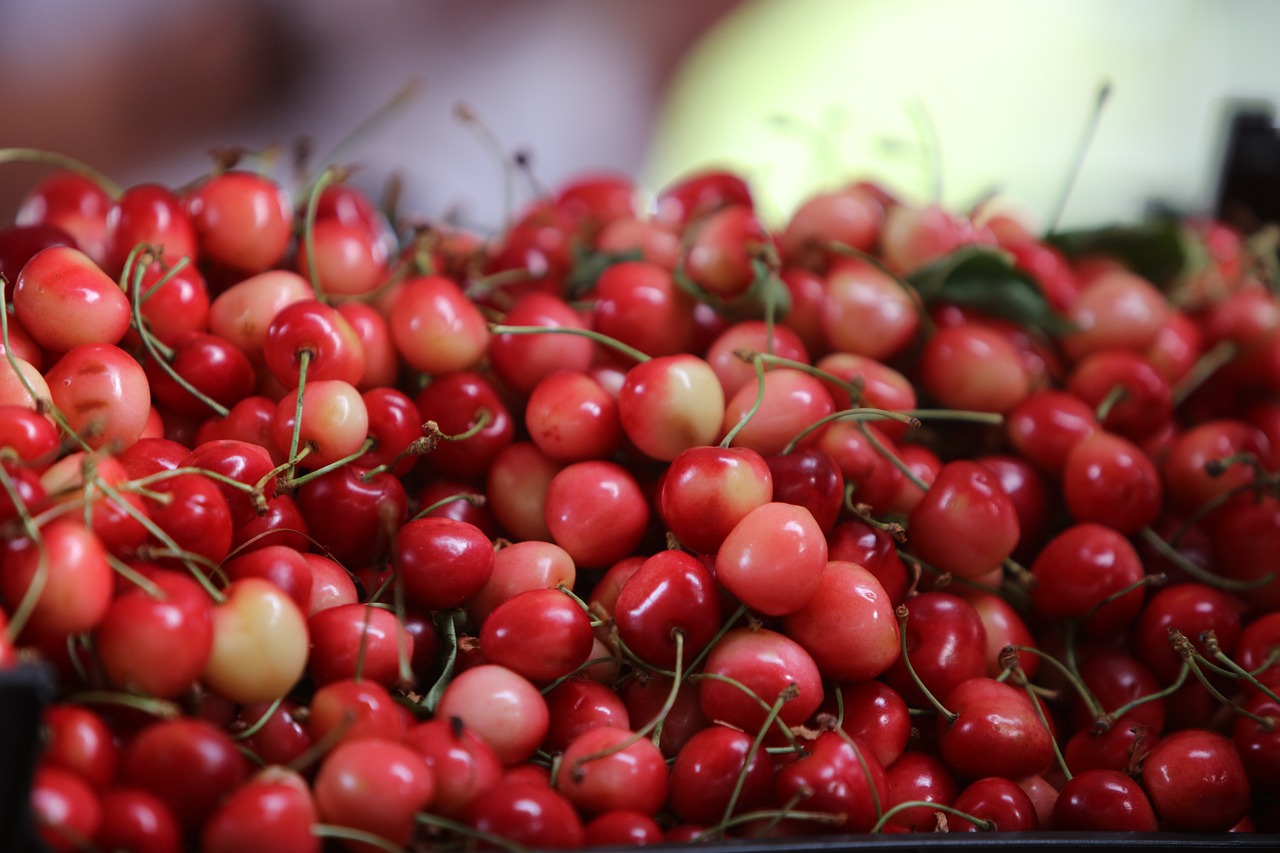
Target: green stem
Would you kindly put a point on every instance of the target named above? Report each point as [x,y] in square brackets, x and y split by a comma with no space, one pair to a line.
[592,334]
[758,363]
[1180,560]
[61,161]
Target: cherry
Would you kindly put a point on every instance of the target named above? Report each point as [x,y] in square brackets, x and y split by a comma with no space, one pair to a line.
[705,774]
[596,511]
[1103,801]
[918,777]
[608,769]
[435,328]
[28,435]
[1191,608]
[442,563]
[260,643]
[621,827]
[1083,573]
[191,510]
[281,736]
[572,418]
[353,513]
[946,645]
[522,361]
[671,593]
[867,312]
[77,739]
[669,404]
[873,548]
[915,236]
[1258,744]
[518,567]
[334,421]
[721,250]
[148,214]
[133,819]
[1191,470]
[374,785]
[242,220]
[1137,399]
[464,767]
[847,625]
[500,707]
[993,730]
[771,667]
[317,332]
[64,299]
[357,641]
[466,405]
[156,639]
[1004,627]
[1046,425]
[516,487]
[1196,781]
[998,800]
[103,392]
[275,807]
[66,811]
[1117,310]
[810,478]
[974,367]
[350,258]
[838,776]
[790,402]
[349,709]
[966,523]
[190,764]
[695,195]
[542,634]
[528,814]
[850,216]
[75,580]
[1109,480]
[648,701]
[578,704]
[774,559]
[72,202]
[750,336]
[639,304]
[242,313]
[707,490]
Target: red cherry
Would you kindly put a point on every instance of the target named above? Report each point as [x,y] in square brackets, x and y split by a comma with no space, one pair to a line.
[374,785]
[946,644]
[672,592]
[707,490]
[441,562]
[1196,781]
[66,811]
[150,214]
[542,634]
[133,819]
[596,511]
[1079,569]
[998,800]
[705,774]
[273,808]
[966,523]
[844,778]
[190,764]
[1103,801]
[774,559]
[608,769]
[242,220]
[64,299]
[528,814]
[847,625]
[996,731]
[78,739]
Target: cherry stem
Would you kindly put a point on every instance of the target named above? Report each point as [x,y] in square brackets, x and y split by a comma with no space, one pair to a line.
[1180,560]
[1250,677]
[21,613]
[304,360]
[360,836]
[189,560]
[1115,395]
[1009,659]
[1154,581]
[489,285]
[257,725]
[854,388]
[463,113]
[654,726]
[467,831]
[329,176]
[776,817]
[61,161]
[758,363]
[863,512]
[1201,512]
[903,613]
[1091,701]
[160,708]
[1103,724]
[1219,467]
[592,334]
[866,770]
[1101,97]
[135,577]
[764,706]
[1187,651]
[855,414]
[432,432]
[741,780]
[290,483]
[448,623]
[472,498]
[984,825]
[892,458]
[407,92]
[1205,366]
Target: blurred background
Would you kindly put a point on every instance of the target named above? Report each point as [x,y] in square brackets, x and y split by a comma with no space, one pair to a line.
[975,97]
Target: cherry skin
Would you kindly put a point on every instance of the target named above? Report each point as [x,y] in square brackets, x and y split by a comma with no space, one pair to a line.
[750,336]
[1196,781]
[621,827]
[576,705]
[375,785]
[707,490]
[442,563]
[792,401]
[242,220]
[1079,569]
[608,769]
[103,392]
[973,367]
[353,513]
[63,299]
[810,478]
[847,625]
[76,738]
[542,634]
[966,523]
[669,404]
[867,312]
[672,592]
[721,249]
[876,715]
[157,646]
[529,814]
[499,706]
[1193,609]
[348,709]
[522,361]
[844,777]
[774,559]
[65,810]
[465,402]
[996,731]
[518,567]
[465,768]
[1143,403]
[1103,801]
[572,417]
[919,776]
[946,644]
[72,202]
[998,800]
[283,566]
[1109,480]
[190,764]
[357,641]
[77,585]
[1116,310]
[310,327]
[275,807]
[148,213]
[1047,425]
[191,510]
[335,422]
[435,328]
[260,643]
[873,548]
[705,774]
[639,304]
[769,664]
[242,313]
[596,511]
[133,819]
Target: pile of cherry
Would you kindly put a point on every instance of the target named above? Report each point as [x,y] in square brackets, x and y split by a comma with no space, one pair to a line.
[638,521]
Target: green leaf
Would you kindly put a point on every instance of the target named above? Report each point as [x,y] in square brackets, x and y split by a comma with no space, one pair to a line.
[986,279]
[1155,249]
